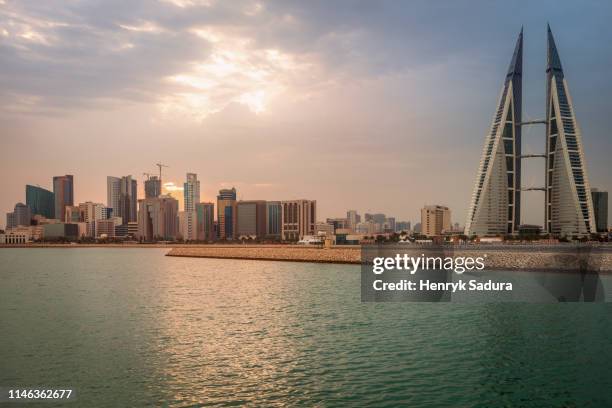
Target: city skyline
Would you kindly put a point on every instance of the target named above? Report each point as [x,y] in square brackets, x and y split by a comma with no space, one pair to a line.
[305,108]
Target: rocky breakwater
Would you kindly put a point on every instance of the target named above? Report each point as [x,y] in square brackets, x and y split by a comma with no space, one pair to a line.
[294,253]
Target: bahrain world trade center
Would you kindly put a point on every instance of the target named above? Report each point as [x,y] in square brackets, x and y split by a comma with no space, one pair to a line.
[496,201]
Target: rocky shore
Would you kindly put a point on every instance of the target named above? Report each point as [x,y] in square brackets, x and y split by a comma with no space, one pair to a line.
[498,258]
[294,253]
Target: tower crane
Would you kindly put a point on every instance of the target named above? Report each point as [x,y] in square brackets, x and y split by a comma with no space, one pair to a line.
[160,165]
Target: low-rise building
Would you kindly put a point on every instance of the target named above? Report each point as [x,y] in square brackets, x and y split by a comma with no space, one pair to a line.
[60,231]
[298,219]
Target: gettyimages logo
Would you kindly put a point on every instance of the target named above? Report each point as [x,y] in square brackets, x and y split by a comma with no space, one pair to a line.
[411,264]
[487,273]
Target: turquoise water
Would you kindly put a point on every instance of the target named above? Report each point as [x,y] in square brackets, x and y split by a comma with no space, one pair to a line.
[130,327]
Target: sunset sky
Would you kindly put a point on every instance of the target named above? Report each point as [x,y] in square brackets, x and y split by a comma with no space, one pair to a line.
[374,106]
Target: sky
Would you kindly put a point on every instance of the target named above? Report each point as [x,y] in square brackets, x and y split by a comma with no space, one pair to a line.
[375,106]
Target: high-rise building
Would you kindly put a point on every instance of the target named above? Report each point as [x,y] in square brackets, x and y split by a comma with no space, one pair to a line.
[128,201]
[435,219]
[226,213]
[205,221]
[21,216]
[187,224]
[569,205]
[122,197]
[273,219]
[153,187]
[402,226]
[353,219]
[40,201]
[495,207]
[91,212]
[251,218]
[299,219]
[600,207]
[158,218]
[73,214]
[390,224]
[113,193]
[191,192]
[63,190]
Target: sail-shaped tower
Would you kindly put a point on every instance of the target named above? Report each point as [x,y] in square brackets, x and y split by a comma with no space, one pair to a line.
[495,208]
[569,205]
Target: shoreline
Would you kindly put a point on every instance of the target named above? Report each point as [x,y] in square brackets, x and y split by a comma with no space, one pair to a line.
[499,257]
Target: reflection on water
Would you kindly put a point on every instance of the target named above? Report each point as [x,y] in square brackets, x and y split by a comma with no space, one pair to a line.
[130,327]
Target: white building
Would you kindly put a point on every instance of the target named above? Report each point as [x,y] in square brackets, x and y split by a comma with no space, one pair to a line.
[298,219]
[90,213]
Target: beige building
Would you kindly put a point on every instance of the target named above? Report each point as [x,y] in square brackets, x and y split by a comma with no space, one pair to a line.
[158,218]
[106,228]
[90,213]
[298,219]
[187,225]
[435,219]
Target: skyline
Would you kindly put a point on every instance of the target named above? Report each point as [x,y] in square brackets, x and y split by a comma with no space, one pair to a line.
[352,93]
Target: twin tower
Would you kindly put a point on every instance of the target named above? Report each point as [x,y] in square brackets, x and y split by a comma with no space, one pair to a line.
[496,202]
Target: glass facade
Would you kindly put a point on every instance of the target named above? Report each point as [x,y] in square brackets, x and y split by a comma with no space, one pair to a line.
[40,201]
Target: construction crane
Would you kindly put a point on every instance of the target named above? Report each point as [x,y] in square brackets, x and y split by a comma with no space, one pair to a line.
[160,165]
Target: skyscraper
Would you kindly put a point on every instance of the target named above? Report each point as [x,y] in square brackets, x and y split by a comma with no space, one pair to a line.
[63,190]
[128,200]
[353,219]
[21,216]
[226,213]
[191,191]
[40,201]
[153,187]
[113,194]
[600,207]
[122,197]
[495,207]
[158,218]
[569,205]
[205,221]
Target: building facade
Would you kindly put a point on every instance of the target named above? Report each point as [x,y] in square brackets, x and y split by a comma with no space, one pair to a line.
[495,207]
[600,207]
[205,221]
[435,219]
[273,219]
[21,216]
[226,213]
[298,219]
[153,188]
[187,223]
[63,192]
[40,201]
[353,219]
[90,213]
[158,219]
[569,206]
[251,219]
[191,191]
[122,197]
